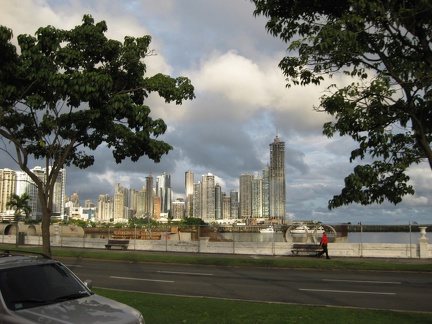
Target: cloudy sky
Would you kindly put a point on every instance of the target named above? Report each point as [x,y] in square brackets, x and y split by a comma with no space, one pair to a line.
[241,105]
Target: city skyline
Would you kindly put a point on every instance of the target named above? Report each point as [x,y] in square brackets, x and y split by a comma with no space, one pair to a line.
[241,104]
[260,197]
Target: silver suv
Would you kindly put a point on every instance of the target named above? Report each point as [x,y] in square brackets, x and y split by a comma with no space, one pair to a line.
[37,289]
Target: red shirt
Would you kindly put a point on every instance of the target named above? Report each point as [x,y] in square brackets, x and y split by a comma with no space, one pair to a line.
[324,239]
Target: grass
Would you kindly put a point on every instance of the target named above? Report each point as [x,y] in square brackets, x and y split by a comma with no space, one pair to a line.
[245,261]
[170,309]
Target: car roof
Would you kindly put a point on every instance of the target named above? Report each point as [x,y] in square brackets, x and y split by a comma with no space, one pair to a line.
[15,258]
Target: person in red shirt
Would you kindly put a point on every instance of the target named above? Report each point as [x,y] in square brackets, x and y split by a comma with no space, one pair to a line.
[323,245]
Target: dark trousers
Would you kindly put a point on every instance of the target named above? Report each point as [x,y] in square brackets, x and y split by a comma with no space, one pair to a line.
[324,250]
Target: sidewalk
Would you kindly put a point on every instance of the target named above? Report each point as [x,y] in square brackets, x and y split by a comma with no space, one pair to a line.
[255,256]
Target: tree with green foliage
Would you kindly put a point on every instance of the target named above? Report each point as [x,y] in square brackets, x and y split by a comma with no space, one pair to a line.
[385,47]
[20,205]
[67,92]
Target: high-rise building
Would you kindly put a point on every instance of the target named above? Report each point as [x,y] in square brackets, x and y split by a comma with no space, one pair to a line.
[197,200]
[208,197]
[277,179]
[226,206]
[189,190]
[178,208]
[246,196]
[164,191]
[105,208]
[157,207]
[120,202]
[8,183]
[234,198]
[266,192]
[141,203]
[75,199]
[149,196]
[218,201]
[257,198]
[25,184]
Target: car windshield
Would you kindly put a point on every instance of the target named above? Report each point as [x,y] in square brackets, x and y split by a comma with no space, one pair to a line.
[36,285]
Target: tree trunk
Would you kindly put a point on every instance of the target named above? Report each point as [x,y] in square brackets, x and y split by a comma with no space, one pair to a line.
[46,243]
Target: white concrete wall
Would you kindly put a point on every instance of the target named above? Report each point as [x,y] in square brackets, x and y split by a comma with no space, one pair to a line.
[370,250]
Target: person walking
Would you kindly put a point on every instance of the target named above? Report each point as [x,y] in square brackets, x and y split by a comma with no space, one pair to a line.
[323,245]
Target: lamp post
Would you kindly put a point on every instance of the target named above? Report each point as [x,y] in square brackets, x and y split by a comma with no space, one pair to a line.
[409,223]
[135,225]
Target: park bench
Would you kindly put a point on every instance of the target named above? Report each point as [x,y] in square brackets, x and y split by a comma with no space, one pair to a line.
[123,244]
[306,248]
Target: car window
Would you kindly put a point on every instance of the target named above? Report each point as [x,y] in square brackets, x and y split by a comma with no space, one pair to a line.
[36,285]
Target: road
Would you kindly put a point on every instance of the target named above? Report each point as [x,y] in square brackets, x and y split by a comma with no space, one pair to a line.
[364,289]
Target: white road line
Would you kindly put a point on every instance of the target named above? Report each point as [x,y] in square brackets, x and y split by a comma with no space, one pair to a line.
[187,273]
[366,281]
[349,291]
[140,279]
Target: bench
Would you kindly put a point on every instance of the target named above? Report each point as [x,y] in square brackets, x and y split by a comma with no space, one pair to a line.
[306,248]
[123,244]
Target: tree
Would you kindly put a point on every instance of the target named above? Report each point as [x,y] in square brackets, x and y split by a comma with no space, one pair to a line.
[70,91]
[385,46]
[20,205]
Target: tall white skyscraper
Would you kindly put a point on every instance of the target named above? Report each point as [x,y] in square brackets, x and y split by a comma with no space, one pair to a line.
[208,197]
[257,198]
[164,191]
[8,183]
[189,190]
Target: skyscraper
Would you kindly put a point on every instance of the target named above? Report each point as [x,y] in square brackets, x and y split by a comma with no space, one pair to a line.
[266,192]
[8,182]
[208,197]
[189,190]
[164,191]
[246,196]
[218,201]
[257,197]
[149,196]
[277,179]
[234,199]
[197,200]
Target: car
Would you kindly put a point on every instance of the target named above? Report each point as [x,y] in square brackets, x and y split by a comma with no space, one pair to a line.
[34,288]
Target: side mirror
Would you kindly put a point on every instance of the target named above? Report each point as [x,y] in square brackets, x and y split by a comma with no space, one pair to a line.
[88,283]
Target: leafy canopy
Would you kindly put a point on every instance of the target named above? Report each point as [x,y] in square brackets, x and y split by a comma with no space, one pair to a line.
[69,91]
[385,46]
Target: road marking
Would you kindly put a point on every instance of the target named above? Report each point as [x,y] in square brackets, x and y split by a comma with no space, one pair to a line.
[366,281]
[349,291]
[140,279]
[187,273]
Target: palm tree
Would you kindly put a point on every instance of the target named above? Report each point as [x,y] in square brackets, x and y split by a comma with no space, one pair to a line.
[21,206]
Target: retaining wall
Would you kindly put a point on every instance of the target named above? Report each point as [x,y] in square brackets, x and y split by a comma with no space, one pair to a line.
[370,250]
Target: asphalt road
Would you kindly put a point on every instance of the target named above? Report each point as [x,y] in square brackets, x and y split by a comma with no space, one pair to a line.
[364,289]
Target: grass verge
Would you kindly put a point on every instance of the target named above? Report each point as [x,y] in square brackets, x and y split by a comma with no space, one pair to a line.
[245,261]
[170,309]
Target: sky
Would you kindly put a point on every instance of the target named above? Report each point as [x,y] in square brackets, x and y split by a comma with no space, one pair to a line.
[242,103]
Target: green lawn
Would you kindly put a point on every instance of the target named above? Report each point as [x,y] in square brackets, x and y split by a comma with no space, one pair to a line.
[169,309]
